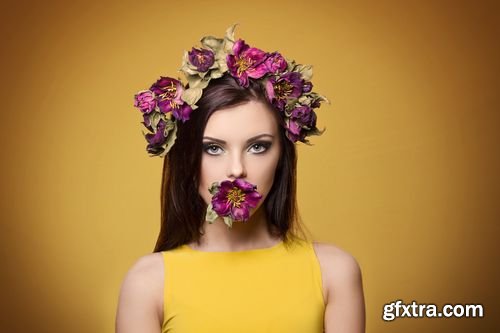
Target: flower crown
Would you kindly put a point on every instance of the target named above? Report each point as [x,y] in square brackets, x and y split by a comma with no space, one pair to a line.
[287,86]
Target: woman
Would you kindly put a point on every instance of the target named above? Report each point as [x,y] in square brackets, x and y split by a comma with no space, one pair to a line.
[231,255]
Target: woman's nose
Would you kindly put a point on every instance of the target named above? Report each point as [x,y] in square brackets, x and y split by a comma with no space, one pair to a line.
[236,167]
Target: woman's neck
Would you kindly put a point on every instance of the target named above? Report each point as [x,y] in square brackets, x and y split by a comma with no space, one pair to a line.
[252,234]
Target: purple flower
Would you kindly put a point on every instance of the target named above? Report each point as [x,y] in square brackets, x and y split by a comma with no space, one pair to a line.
[307,87]
[168,93]
[156,140]
[246,62]
[302,116]
[202,59]
[293,132]
[316,103]
[147,122]
[145,101]
[235,198]
[282,88]
[276,63]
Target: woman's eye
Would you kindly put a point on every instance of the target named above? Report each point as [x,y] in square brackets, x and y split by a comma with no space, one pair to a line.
[257,148]
[261,147]
[211,149]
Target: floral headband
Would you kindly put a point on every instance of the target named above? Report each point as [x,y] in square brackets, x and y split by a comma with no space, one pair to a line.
[286,83]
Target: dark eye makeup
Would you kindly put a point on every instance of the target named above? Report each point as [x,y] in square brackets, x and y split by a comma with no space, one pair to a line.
[212,148]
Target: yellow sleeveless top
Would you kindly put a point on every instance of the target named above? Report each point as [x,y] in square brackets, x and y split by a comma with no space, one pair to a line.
[269,290]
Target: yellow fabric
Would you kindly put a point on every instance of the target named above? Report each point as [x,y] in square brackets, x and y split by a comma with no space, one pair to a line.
[270,290]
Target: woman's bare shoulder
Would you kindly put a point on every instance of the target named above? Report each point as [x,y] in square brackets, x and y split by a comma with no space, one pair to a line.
[335,255]
[149,264]
[339,268]
[141,292]
[345,309]
[146,273]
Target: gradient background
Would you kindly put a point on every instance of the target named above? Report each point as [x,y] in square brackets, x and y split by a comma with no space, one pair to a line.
[405,177]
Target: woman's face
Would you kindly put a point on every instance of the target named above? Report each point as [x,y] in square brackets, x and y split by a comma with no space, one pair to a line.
[240,142]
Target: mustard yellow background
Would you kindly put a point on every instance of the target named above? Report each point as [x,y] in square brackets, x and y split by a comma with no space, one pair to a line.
[405,176]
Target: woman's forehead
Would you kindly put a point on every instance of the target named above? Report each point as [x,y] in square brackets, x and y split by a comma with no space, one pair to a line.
[242,121]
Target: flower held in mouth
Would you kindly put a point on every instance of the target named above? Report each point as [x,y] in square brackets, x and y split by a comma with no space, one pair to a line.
[232,201]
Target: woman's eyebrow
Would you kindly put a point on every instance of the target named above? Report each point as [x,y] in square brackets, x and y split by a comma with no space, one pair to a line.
[251,139]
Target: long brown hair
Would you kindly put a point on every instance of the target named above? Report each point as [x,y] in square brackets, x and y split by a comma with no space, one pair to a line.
[183,209]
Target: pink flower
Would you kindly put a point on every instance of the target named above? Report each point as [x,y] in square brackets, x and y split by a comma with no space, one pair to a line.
[145,101]
[168,92]
[246,62]
[234,199]
[276,63]
[302,120]
[202,59]
[280,89]
[156,140]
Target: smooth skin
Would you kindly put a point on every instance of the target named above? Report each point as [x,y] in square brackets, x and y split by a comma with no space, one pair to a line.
[140,304]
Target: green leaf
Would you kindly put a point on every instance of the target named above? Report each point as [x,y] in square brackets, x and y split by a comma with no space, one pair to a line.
[287,122]
[154,118]
[230,32]
[307,142]
[214,188]
[228,47]
[191,95]
[222,64]
[320,98]
[204,83]
[211,215]
[324,99]
[291,64]
[185,58]
[171,135]
[316,131]
[306,71]
[215,74]
[202,74]
[169,125]
[305,100]
[161,154]
[212,42]
[228,220]
[193,80]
